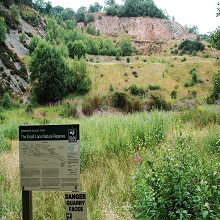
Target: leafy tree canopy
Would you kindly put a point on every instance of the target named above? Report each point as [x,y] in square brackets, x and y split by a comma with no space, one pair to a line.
[48,73]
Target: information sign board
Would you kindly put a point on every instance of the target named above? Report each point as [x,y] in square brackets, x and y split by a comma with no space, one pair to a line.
[49,157]
[76,207]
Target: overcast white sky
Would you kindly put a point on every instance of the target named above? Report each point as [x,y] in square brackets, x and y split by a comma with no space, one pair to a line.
[201,13]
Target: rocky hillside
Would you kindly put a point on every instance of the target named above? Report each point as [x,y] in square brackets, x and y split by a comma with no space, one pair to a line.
[13,70]
[148,34]
[141,28]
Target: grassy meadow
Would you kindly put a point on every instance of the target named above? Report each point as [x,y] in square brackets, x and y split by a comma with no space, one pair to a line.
[148,165]
[145,165]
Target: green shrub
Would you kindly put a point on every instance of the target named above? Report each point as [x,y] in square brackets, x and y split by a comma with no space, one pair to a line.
[29,108]
[212,140]
[173,94]
[135,90]
[215,90]
[111,88]
[191,47]
[22,37]
[69,110]
[6,101]
[153,87]
[136,105]
[121,100]
[128,59]
[176,184]
[157,101]
[90,104]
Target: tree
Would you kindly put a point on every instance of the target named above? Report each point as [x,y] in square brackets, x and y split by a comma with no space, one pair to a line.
[8,3]
[77,49]
[126,46]
[3,30]
[214,39]
[79,80]
[95,7]
[80,14]
[110,2]
[48,73]
[215,91]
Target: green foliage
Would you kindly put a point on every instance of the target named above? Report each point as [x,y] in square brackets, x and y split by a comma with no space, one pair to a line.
[189,46]
[78,77]
[173,94]
[77,49]
[15,13]
[201,116]
[135,90]
[111,87]
[22,37]
[95,7]
[91,30]
[136,8]
[5,144]
[215,90]
[157,101]
[89,18]
[80,14]
[50,84]
[153,87]
[3,30]
[91,104]
[180,184]
[126,46]
[30,16]
[69,110]
[6,101]
[214,39]
[33,44]
[121,100]
[8,3]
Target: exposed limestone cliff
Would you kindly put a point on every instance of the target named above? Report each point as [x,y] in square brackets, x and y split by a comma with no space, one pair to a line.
[141,28]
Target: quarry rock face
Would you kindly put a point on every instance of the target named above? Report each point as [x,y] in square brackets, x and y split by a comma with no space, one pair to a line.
[140,28]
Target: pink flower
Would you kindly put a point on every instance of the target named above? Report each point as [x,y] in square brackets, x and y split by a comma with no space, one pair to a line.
[137,159]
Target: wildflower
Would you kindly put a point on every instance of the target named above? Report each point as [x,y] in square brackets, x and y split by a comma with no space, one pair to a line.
[200,108]
[137,159]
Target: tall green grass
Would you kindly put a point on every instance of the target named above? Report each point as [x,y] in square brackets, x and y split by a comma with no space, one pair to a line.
[158,165]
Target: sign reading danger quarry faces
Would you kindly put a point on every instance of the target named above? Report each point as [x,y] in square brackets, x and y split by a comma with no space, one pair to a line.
[76,207]
[49,157]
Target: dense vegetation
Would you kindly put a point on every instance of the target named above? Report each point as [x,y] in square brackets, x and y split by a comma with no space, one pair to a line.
[140,166]
[154,163]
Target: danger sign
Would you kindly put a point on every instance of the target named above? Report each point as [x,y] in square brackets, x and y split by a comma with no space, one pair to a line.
[76,207]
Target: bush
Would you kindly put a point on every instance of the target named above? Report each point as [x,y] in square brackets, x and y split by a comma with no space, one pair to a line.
[191,47]
[135,90]
[69,110]
[91,104]
[215,90]
[111,88]
[136,105]
[156,101]
[176,184]
[121,100]
[153,87]
[6,101]
[173,94]
[22,37]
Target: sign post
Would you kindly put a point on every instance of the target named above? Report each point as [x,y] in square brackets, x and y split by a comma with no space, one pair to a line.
[76,207]
[27,210]
[49,157]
